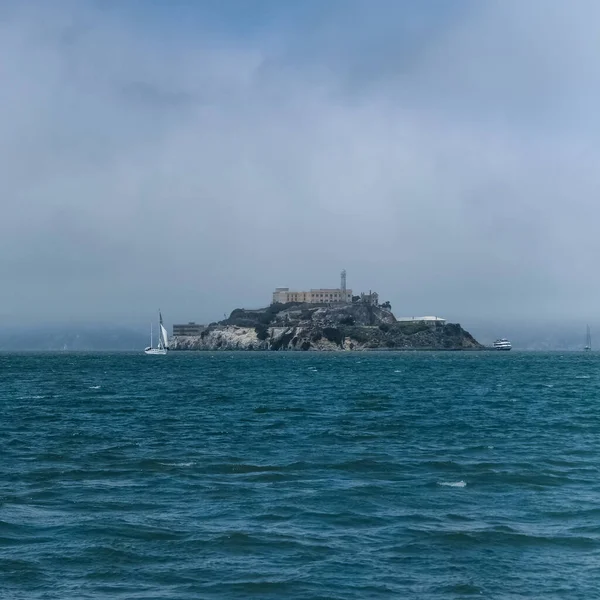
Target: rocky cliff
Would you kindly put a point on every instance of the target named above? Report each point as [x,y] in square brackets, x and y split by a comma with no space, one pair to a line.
[295,326]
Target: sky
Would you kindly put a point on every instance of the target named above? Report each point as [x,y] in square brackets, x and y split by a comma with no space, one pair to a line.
[194,155]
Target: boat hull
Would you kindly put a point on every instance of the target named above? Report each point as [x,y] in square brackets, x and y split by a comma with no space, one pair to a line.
[155,351]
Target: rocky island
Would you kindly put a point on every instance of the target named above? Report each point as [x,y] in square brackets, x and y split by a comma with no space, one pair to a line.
[326,327]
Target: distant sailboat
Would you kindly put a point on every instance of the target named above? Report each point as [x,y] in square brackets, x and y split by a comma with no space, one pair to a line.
[163,340]
[588,339]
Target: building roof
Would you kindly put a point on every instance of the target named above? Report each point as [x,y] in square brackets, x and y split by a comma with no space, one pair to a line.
[420,319]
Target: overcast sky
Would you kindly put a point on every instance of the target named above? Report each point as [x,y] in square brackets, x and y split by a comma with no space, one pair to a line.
[194,155]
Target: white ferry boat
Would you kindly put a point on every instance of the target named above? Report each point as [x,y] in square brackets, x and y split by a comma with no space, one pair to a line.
[502,344]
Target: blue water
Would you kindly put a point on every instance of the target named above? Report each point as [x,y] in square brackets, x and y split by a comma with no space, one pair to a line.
[290,475]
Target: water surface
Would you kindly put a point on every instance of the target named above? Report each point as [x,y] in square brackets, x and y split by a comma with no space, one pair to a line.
[393,475]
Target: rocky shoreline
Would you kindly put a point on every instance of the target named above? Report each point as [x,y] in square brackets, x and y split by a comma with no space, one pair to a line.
[325,328]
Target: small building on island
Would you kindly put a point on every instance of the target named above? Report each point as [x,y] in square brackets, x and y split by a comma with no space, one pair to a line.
[190,329]
[428,320]
[372,298]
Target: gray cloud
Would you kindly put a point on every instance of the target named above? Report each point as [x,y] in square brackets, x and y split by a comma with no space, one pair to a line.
[450,165]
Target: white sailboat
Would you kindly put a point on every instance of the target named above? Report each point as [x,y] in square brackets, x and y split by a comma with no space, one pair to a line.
[163,339]
[588,339]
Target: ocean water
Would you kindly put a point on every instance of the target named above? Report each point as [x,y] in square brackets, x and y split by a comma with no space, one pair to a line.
[393,475]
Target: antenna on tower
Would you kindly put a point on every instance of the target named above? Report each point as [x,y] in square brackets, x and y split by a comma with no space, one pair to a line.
[343,286]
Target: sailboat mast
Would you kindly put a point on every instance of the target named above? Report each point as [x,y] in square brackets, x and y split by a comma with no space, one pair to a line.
[160,344]
[589,337]
[150,335]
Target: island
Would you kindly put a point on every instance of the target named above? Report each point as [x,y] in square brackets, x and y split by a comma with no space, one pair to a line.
[300,326]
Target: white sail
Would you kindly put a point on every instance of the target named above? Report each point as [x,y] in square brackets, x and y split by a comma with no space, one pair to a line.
[164,338]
